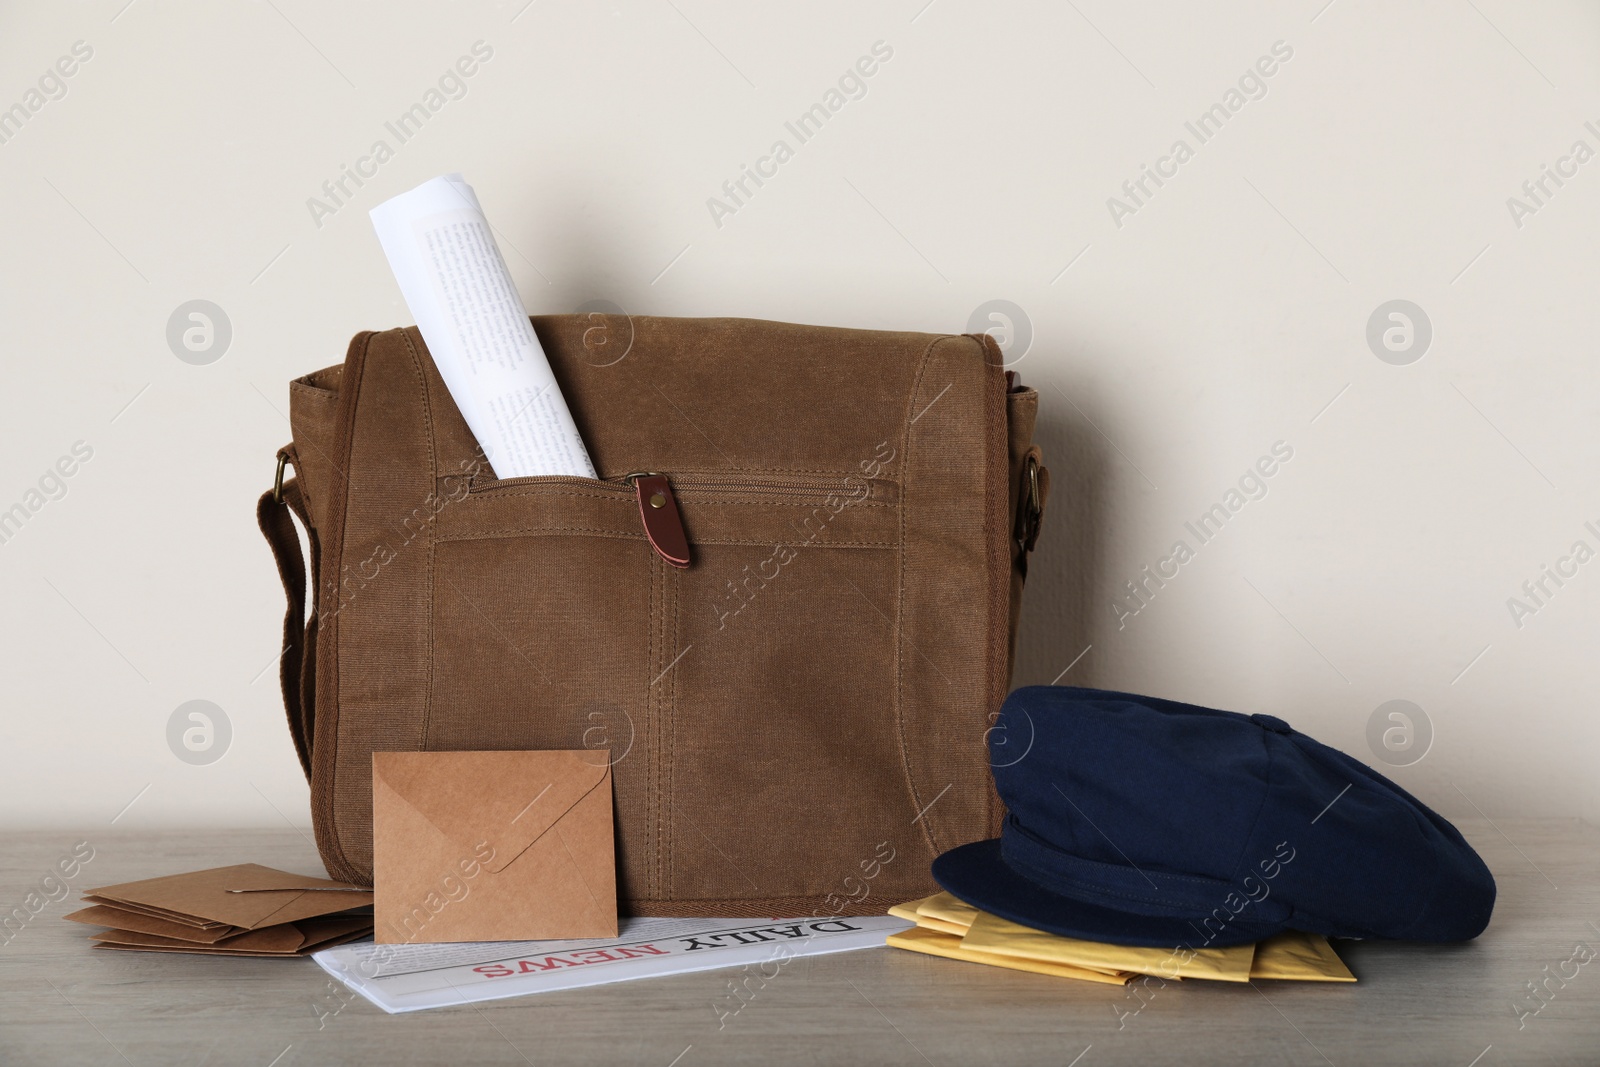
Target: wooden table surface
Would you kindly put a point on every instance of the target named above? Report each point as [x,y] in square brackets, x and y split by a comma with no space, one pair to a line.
[61,1003]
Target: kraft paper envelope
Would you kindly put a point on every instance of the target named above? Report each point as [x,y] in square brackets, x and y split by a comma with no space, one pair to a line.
[493,846]
[285,940]
[144,923]
[246,896]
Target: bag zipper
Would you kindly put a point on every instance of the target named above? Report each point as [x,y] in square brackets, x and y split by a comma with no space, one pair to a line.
[776,484]
[658,504]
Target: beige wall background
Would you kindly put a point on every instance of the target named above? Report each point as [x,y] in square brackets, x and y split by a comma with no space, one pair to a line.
[1178,334]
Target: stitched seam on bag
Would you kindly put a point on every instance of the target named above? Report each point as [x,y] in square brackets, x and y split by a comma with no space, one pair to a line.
[330,663]
[335,372]
[649,784]
[690,496]
[900,604]
[427,717]
[343,530]
[997,528]
[428,574]
[652,812]
[669,722]
[513,531]
[656,566]
[622,495]
[756,907]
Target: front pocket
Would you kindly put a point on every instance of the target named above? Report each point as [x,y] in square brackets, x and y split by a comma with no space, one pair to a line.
[749,702]
[784,763]
[542,606]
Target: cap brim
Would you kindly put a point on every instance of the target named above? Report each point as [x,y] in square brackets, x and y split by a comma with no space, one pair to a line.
[976,874]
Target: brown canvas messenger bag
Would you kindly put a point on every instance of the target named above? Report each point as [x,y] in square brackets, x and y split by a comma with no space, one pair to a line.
[796,718]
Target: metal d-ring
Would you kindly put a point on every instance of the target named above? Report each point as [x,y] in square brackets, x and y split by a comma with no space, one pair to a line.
[277,481]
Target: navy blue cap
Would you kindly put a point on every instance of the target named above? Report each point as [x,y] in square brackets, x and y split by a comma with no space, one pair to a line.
[1141,821]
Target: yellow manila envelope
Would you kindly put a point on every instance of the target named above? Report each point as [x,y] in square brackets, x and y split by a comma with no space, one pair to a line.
[950,915]
[912,910]
[1296,956]
[949,909]
[908,910]
[949,946]
[990,933]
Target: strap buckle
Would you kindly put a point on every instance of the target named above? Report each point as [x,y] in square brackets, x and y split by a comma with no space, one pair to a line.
[1032,510]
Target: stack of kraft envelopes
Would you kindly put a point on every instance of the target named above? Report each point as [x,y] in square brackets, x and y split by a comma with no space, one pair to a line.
[954,929]
[244,910]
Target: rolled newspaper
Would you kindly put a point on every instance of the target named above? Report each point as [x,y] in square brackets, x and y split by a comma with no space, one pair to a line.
[456,284]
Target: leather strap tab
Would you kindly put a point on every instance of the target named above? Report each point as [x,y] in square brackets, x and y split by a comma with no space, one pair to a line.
[658,510]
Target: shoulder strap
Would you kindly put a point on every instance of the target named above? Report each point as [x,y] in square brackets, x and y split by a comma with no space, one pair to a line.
[297,663]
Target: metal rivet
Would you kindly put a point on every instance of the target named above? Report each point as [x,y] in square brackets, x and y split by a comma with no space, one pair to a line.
[659,500]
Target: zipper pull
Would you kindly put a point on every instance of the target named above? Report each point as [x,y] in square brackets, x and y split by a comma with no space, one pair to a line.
[658,510]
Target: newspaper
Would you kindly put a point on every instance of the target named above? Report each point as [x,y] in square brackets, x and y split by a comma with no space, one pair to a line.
[400,978]
[455,282]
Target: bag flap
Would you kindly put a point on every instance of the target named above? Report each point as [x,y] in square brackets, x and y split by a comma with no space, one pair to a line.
[718,395]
